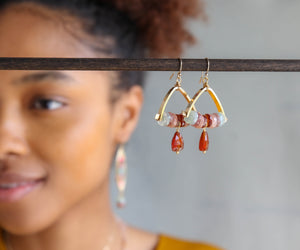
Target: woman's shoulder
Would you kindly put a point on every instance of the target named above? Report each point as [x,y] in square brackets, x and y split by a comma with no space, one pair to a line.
[167,242]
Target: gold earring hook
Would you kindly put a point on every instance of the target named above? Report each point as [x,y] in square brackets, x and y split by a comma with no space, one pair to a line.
[178,80]
[208,65]
[180,68]
[205,80]
[202,77]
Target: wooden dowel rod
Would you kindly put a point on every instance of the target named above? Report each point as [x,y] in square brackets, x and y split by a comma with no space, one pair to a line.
[118,64]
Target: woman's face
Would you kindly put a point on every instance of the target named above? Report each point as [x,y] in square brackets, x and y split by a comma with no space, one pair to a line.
[58,129]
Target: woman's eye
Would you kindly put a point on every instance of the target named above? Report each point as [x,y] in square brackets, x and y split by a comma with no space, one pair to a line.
[48,104]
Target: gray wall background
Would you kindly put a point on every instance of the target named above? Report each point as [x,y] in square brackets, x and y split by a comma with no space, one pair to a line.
[244,193]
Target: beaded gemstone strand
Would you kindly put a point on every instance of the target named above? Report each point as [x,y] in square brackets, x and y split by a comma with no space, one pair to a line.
[195,119]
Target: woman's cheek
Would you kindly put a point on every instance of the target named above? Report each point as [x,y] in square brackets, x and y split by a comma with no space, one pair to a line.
[76,145]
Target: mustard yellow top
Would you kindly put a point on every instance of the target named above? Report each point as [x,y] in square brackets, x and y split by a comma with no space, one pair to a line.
[168,243]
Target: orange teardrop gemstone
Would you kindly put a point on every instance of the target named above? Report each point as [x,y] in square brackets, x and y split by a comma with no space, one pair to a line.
[177,142]
[204,142]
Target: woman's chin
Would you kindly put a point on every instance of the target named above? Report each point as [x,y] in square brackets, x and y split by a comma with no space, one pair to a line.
[21,230]
[27,222]
[24,227]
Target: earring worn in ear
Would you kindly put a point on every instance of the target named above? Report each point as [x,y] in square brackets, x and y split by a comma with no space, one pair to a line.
[174,120]
[208,120]
[121,175]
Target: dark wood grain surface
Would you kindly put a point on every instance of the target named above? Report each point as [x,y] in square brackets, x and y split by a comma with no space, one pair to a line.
[118,64]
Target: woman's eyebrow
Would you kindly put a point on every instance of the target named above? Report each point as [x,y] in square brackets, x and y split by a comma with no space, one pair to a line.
[43,76]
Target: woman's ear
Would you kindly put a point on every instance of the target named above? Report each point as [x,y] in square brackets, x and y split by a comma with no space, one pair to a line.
[127,113]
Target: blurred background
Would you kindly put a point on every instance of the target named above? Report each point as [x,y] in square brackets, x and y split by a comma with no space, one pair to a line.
[244,193]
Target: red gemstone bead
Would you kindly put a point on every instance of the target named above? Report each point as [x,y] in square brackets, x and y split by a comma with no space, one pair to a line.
[204,142]
[181,121]
[207,116]
[177,142]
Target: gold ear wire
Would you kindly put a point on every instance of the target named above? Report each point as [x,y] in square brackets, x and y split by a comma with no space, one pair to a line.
[205,79]
[180,70]
[208,65]
[181,64]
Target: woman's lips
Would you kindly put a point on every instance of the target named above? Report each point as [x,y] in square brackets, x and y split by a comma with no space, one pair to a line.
[14,187]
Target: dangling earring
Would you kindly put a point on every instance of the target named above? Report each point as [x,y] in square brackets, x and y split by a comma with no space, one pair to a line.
[121,175]
[208,120]
[174,120]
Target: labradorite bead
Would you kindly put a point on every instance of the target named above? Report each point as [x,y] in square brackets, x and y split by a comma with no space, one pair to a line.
[192,118]
[222,119]
[165,120]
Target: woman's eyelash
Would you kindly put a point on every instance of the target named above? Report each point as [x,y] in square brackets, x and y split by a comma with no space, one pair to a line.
[47,104]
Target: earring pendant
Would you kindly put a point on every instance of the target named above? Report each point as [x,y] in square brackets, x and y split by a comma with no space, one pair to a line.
[121,175]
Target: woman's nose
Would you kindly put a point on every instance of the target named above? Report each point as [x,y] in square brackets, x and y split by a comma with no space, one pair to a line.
[12,136]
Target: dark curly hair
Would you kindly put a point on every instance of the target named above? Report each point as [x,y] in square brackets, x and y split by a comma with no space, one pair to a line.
[140,28]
